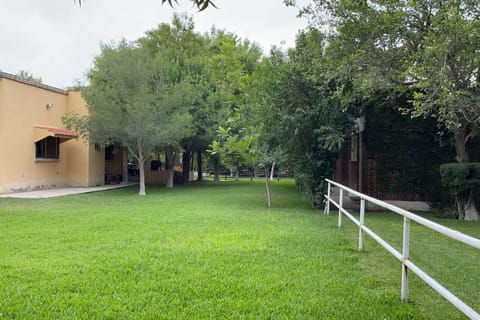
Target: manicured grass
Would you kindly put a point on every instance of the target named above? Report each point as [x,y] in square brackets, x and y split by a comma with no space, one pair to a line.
[209,252]
[456,266]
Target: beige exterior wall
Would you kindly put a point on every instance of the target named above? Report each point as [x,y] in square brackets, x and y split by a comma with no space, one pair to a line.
[77,166]
[96,167]
[23,106]
[2,118]
[87,167]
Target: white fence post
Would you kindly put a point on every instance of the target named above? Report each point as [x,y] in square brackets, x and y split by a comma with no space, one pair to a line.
[362,222]
[327,206]
[340,206]
[405,256]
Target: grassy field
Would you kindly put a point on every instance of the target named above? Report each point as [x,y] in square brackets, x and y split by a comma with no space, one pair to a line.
[214,252]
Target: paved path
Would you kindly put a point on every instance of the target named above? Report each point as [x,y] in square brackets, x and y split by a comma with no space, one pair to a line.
[59,192]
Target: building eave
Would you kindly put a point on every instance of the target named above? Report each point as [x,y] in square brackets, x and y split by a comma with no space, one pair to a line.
[4,75]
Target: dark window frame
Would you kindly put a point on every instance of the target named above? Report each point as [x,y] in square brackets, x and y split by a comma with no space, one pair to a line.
[47,149]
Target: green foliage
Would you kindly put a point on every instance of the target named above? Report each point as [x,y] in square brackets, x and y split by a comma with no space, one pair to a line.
[408,152]
[233,148]
[428,47]
[304,116]
[461,177]
[463,180]
[422,44]
[233,64]
[263,115]
[137,98]
[152,104]
[188,57]
[125,99]
[218,66]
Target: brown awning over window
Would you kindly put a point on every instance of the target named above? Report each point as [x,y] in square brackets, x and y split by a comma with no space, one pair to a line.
[41,132]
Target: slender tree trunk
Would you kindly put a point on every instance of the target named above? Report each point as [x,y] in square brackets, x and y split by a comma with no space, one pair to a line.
[125,165]
[272,170]
[186,155]
[170,176]
[141,166]
[269,201]
[167,162]
[216,169]
[199,165]
[237,169]
[170,152]
[192,167]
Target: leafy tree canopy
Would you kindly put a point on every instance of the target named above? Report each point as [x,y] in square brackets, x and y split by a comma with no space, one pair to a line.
[133,102]
[303,118]
[428,47]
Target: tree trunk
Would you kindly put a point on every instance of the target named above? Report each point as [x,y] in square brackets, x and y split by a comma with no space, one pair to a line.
[269,202]
[465,202]
[199,165]
[272,171]
[237,169]
[470,210]
[171,174]
[461,145]
[191,167]
[216,169]
[125,165]
[170,152]
[167,161]
[186,155]
[141,166]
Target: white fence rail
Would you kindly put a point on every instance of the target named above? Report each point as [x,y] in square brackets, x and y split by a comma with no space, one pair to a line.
[403,256]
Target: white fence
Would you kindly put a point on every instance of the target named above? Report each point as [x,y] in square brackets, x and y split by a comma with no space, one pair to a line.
[407,264]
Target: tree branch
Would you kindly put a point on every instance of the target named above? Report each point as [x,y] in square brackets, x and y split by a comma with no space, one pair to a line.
[201,4]
[475,131]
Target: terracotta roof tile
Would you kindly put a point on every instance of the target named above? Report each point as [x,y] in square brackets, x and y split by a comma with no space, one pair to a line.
[57,132]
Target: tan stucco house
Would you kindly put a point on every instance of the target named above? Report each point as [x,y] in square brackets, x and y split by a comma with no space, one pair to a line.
[36,151]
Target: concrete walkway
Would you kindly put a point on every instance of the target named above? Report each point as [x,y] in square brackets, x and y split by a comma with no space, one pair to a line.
[59,192]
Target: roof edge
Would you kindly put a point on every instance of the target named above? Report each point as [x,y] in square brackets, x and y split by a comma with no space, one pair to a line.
[13,77]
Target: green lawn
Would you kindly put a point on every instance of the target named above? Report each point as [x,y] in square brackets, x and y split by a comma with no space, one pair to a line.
[213,252]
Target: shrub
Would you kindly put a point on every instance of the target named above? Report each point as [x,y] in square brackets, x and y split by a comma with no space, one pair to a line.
[463,180]
[460,177]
